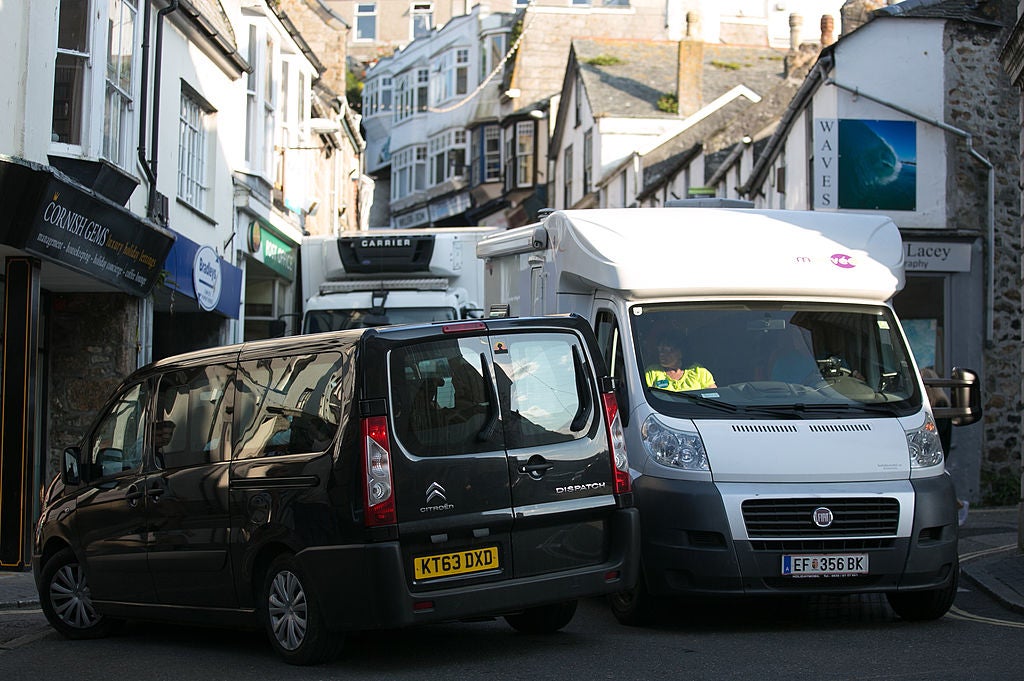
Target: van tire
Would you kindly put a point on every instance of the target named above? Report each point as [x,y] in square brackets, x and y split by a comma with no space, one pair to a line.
[66,600]
[633,607]
[292,615]
[918,606]
[543,619]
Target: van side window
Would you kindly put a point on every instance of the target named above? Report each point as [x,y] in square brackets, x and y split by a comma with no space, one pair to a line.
[288,405]
[442,399]
[117,443]
[191,416]
[544,388]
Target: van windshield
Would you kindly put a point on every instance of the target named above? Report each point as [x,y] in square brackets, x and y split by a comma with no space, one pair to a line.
[773,359]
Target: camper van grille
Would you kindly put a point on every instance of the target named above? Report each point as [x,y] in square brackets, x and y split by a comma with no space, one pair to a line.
[794,518]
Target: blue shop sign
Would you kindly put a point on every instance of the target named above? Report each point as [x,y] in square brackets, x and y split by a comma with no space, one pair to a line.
[199,273]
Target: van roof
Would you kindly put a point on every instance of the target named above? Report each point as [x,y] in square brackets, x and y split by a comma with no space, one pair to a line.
[659,252]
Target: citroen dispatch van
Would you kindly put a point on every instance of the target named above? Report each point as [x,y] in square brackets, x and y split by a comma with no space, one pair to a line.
[776,424]
[363,479]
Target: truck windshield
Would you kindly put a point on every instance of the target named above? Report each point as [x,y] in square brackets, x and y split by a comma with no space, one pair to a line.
[788,360]
[317,321]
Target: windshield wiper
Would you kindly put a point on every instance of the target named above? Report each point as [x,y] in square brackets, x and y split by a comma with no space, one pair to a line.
[697,398]
[802,407]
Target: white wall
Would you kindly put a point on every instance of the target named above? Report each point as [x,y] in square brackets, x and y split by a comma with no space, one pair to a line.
[865,60]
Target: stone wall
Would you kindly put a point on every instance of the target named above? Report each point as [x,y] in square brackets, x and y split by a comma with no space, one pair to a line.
[93,345]
[982,101]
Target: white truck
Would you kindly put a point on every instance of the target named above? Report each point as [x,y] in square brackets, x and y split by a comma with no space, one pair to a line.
[793,449]
[386,276]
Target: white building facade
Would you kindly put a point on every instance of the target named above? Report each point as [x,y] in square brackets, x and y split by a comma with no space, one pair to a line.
[140,151]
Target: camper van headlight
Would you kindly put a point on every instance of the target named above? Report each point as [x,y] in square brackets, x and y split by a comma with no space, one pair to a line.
[676,448]
[925,446]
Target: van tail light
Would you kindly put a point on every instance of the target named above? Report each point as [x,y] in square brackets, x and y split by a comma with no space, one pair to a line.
[378,487]
[617,443]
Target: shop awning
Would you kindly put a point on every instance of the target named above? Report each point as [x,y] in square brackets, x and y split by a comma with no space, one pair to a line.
[48,214]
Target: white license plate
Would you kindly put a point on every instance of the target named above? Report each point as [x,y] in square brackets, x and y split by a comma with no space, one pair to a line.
[825,564]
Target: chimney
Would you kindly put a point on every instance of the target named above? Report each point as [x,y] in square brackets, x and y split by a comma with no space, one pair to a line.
[795,23]
[856,13]
[828,24]
[690,75]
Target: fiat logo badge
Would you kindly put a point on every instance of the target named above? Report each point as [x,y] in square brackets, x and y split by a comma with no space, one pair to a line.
[822,516]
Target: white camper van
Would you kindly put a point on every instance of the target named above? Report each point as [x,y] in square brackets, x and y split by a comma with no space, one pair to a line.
[791,449]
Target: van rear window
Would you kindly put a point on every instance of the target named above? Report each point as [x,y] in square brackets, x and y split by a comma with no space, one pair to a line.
[443,393]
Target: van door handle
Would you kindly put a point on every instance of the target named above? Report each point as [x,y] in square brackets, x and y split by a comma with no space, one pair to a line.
[133,494]
[537,467]
[156,489]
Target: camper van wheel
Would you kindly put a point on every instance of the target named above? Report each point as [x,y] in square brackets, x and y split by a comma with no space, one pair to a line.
[67,601]
[917,606]
[292,616]
[633,607]
[543,619]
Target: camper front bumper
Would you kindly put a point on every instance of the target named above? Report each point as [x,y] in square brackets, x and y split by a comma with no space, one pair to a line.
[689,546]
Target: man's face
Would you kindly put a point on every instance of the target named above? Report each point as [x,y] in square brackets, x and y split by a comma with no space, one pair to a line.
[669,355]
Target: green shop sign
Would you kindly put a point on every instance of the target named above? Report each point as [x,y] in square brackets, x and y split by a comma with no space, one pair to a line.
[272,251]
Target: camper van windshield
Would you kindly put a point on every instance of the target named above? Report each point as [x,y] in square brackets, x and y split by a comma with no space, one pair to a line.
[318,321]
[786,359]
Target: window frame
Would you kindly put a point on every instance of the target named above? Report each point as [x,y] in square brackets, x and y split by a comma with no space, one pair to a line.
[365,12]
[421,19]
[524,148]
[100,106]
[194,137]
[446,156]
[567,176]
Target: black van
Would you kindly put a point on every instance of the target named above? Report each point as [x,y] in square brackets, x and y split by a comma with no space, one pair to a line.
[363,479]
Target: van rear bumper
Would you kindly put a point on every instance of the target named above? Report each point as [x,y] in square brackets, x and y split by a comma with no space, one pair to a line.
[364,586]
[688,546]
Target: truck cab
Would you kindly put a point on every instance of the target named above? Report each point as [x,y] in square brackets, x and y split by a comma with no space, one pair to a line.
[382,277]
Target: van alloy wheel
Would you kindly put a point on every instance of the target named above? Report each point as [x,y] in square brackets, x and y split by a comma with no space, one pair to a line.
[66,599]
[72,601]
[287,610]
[292,615]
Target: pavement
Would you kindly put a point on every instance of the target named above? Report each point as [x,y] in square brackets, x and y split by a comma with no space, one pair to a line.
[990,559]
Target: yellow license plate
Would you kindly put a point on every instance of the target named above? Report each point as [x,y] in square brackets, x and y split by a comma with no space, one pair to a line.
[456,563]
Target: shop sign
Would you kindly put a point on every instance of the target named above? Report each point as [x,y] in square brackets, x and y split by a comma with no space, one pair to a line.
[206,277]
[271,250]
[278,256]
[936,256]
[101,241]
[449,206]
[418,217]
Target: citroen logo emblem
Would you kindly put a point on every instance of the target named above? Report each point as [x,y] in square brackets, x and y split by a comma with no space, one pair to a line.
[435,494]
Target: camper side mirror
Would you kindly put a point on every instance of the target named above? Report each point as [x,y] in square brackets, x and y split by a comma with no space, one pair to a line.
[70,470]
[964,397]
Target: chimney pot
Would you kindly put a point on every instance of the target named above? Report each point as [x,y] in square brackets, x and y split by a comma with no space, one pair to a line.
[828,24]
[795,23]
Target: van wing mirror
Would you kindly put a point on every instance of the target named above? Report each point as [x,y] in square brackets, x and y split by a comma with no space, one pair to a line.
[965,397]
[71,467]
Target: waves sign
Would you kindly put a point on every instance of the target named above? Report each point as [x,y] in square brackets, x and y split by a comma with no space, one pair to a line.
[865,164]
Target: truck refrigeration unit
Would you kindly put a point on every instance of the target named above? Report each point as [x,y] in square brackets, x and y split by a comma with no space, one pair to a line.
[777,426]
[379,277]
